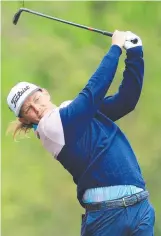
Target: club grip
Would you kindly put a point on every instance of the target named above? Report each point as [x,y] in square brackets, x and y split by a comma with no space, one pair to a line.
[107,33]
[134,41]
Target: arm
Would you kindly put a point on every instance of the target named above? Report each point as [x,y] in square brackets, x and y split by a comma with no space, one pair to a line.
[125,100]
[78,114]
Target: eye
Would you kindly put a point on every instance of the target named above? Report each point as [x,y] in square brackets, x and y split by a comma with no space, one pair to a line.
[37,99]
[27,110]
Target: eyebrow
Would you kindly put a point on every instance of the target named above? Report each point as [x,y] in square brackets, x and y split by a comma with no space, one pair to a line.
[34,98]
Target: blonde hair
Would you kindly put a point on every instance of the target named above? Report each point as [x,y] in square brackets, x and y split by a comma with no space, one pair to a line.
[17,127]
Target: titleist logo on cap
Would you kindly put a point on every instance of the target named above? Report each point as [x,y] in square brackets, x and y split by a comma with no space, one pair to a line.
[17,96]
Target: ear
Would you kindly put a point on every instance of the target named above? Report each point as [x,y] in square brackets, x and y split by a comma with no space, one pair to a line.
[24,121]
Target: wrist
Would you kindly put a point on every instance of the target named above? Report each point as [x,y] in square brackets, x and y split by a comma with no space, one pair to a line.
[117,44]
[135,52]
[115,50]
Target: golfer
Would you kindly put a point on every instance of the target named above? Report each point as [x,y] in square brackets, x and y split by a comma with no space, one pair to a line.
[82,135]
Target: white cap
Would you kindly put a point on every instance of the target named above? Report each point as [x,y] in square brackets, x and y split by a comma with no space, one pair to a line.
[18,95]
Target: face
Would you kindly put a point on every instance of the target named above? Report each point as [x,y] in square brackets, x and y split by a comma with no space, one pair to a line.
[35,107]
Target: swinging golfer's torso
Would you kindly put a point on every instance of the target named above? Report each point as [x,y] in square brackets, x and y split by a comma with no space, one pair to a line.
[85,141]
[101,157]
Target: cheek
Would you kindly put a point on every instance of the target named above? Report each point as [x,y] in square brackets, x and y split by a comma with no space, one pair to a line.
[44,101]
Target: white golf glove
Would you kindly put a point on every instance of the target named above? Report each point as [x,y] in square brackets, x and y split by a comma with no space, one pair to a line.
[130,36]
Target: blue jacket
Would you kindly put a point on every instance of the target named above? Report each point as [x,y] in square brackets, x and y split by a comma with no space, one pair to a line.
[96,152]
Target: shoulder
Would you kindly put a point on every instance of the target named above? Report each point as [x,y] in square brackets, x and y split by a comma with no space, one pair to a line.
[65,104]
[50,131]
[50,126]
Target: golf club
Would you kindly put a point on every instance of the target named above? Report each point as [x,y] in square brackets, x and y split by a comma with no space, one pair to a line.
[17,16]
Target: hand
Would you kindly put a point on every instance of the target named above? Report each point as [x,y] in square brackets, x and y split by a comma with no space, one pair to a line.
[130,36]
[119,38]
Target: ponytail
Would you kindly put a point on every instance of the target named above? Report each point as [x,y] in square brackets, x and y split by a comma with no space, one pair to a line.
[16,127]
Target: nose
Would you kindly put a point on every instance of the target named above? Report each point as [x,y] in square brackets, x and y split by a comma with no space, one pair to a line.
[36,108]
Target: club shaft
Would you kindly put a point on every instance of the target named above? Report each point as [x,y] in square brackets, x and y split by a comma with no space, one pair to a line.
[17,16]
[67,22]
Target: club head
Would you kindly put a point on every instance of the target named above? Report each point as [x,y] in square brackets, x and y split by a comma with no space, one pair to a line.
[17,16]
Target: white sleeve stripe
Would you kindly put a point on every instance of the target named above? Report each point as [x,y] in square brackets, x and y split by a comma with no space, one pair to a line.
[53,128]
[51,132]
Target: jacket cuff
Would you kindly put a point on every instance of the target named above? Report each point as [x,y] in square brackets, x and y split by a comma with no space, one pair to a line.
[134,52]
[115,51]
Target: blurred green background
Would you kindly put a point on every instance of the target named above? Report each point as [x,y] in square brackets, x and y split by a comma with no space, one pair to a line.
[38,196]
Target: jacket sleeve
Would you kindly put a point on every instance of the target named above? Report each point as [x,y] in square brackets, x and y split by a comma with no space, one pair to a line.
[125,100]
[78,114]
